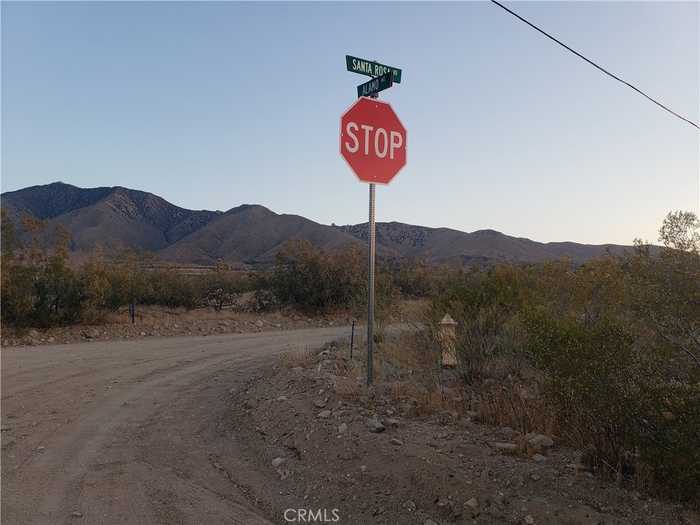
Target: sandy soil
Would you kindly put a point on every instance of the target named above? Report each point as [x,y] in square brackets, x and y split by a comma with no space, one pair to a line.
[249,428]
[318,448]
[127,432]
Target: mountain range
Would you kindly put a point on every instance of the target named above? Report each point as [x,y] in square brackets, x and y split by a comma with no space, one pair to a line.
[250,234]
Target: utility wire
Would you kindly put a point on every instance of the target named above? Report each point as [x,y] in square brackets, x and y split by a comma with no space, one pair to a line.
[516,15]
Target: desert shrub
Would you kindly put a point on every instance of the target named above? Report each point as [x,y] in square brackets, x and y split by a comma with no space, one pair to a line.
[169,288]
[669,441]
[592,377]
[610,348]
[263,300]
[222,287]
[613,392]
[317,282]
[418,279]
[17,300]
[485,303]
[38,287]
[314,281]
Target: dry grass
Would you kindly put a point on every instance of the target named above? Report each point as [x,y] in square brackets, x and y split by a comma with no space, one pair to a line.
[407,354]
[348,388]
[427,400]
[412,310]
[514,407]
[293,358]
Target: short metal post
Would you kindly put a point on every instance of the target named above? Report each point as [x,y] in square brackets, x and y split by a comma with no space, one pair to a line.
[370,284]
[352,338]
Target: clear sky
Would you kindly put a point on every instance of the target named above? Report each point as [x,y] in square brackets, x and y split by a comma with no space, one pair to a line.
[212,105]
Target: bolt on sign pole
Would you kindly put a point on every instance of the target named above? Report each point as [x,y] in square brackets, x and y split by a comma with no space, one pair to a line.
[373,142]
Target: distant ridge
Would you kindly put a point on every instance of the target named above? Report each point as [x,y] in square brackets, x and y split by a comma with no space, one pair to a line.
[117,217]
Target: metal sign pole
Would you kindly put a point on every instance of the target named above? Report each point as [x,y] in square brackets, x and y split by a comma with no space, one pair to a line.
[383,78]
[371,241]
[370,284]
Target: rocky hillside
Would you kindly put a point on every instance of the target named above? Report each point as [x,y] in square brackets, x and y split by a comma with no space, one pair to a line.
[444,245]
[112,217]
[117,217]
[251,234]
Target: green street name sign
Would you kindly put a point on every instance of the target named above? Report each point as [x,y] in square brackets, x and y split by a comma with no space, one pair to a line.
[375,85]
[371,69]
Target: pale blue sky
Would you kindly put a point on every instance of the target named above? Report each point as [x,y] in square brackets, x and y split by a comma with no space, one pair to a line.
[211,105]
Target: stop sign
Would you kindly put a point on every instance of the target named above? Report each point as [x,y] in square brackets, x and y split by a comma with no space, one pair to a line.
[373,140]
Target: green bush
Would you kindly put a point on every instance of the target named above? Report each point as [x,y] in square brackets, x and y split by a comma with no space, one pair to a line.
[314,281]
[613,347]
[614,393]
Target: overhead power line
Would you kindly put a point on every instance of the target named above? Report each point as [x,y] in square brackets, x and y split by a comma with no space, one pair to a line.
[516,15]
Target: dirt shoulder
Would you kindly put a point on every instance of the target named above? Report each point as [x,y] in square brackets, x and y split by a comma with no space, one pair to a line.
[158,321]
[127,431]
[153,321]
[323,445]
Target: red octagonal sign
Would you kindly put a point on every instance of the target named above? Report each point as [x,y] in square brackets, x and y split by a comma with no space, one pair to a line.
[373,140]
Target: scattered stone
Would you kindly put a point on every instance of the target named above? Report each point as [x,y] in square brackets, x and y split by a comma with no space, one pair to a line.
[392,422]
[342,428]
[282,398]
[539,458]
[500,499]
[472,504]
[429,522]
[374,425]
[536,443]
[77,514]
[535,477]
[396,441]
[456,510]
[324,414]
[143,334]
[277,462]
[409,506]
[505,448]
[320,403]
[529,520]
[259,323]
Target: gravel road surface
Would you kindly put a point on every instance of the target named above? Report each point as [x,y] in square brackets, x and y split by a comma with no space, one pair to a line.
[125,432]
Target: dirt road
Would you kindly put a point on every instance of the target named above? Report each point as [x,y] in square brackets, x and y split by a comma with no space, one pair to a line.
[125,432]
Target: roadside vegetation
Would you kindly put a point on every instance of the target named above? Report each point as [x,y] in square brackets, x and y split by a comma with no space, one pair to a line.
[41,289]
[603,357]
